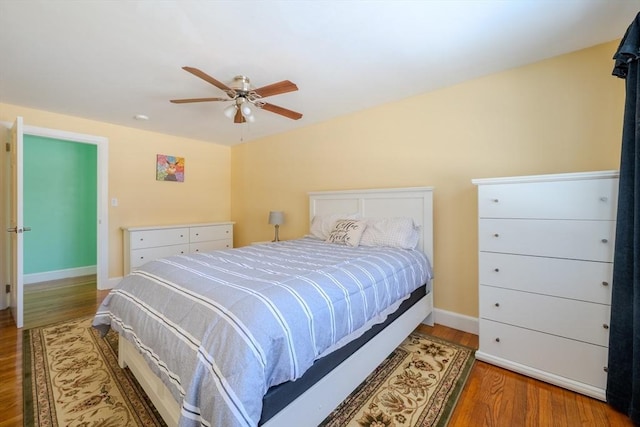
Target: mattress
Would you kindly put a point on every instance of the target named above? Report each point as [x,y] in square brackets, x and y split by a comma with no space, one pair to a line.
[281,395]
[221,328]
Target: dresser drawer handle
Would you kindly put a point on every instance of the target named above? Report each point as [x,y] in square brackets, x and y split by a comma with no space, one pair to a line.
[497,270]
[496,235]
[606,369]
[604,199]
[497,304]
[495,200]
[605,240]
[197,234]
[141,257]
[498,339]
[605,283]
[605,326]
[227,231]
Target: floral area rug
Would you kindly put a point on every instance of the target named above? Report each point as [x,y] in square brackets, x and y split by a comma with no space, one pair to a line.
[72,378]
[418,385]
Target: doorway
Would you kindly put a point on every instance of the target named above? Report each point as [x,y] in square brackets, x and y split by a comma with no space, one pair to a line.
[60,207]
[101,269]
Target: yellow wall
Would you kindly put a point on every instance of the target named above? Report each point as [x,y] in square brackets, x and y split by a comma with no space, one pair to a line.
[204,196]
[559,115]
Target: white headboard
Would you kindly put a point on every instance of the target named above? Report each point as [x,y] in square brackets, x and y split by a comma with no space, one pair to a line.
[412,202]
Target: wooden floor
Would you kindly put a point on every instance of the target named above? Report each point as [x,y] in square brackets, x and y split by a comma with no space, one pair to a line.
[492,396]
[57,300]
[44,304]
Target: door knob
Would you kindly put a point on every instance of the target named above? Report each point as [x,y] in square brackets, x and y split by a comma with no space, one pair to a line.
[18,230]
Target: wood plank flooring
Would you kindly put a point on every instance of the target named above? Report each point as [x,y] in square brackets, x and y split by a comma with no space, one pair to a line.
[58,300]
[44,304]
[492,397]
[496,397]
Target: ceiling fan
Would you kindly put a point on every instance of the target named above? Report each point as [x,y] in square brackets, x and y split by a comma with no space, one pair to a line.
[243,96]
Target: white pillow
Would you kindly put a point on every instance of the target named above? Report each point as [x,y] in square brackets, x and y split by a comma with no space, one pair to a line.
[322,224]
[395,232]
[347,232]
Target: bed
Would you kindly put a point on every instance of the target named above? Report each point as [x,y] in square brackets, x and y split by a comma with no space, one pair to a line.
[330,370]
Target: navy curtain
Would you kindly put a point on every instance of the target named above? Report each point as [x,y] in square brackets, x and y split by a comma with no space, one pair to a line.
[623,383]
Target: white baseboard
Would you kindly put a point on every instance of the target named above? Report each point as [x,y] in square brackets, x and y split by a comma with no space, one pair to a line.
[58,274]
[456,321]
[111,283]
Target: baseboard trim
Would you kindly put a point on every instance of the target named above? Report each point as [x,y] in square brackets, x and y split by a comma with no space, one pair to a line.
[456,321]
[58,274]
[551,378]
[111,283]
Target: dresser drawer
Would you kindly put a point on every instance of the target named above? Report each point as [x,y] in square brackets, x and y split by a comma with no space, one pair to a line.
[211,245]
[141,256]
[567,278]
[575,360]
[582,199]
[586,240]
[579,320]
[211,232]
[159,237]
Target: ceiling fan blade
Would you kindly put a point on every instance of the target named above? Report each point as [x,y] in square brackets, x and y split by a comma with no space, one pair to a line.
[206,77]
[239,118]
[282,111]
[276,88]
[184,101]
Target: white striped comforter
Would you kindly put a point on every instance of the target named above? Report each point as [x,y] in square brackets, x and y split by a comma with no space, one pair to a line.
[222,327]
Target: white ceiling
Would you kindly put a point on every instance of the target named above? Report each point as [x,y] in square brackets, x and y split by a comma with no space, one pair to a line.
[111,60]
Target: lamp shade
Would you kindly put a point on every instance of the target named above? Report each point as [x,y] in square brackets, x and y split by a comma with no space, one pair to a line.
[276,217]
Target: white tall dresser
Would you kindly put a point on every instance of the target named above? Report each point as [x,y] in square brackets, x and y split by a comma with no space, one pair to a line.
[546,248]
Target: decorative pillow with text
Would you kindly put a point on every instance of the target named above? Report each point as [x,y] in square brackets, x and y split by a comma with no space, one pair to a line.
[347,232]
[322,224]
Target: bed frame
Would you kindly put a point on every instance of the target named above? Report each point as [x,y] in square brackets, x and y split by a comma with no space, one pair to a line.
[319,400]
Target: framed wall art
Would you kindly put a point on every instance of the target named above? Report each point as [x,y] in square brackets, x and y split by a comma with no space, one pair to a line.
[169,168]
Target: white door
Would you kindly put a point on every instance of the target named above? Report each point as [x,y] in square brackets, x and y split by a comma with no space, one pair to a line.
[16,226]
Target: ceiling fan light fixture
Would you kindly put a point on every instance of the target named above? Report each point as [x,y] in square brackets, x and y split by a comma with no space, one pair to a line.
[230,111]
[244,97]
[241,84]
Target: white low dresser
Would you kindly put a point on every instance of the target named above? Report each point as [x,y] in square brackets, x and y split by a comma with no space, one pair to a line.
[546,248]
[143,244]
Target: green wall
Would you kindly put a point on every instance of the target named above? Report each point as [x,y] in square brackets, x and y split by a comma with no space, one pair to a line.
[60,204]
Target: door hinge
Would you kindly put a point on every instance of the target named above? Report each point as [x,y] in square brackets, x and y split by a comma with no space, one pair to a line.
[7,288]
[7,147]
